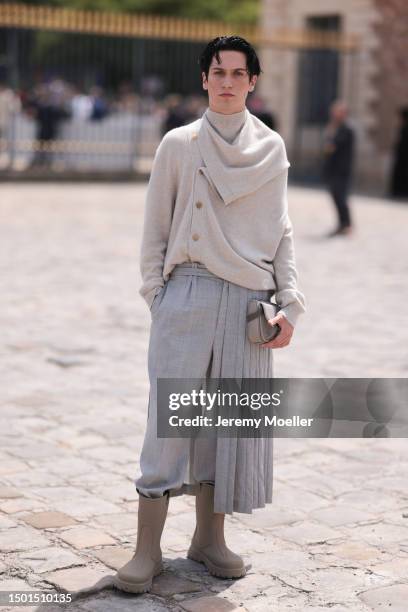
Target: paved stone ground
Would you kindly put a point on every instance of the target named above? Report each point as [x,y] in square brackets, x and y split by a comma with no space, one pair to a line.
[73,411]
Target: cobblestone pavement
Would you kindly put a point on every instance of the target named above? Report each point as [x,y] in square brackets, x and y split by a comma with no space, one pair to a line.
[73,411]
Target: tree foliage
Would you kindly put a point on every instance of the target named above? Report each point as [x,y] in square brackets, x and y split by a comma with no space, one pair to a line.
[239,11]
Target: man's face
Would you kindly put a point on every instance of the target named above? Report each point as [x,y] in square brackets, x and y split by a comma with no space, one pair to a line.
[230,76]
[338,111]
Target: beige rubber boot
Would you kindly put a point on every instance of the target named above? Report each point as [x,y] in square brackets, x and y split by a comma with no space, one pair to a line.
[208,544]
[137,575]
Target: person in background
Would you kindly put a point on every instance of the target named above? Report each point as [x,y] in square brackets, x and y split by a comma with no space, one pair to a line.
[48,106]
[338,152]
[100,107]
[179,110]
[399,176]
[10,106]
[257,107]
[80,104]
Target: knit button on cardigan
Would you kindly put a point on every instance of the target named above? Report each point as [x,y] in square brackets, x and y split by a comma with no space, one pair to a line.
[237,169]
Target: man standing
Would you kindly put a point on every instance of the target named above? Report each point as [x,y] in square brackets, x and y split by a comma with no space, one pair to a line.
[338,163]
[10,106]
[399,176]
[216,234]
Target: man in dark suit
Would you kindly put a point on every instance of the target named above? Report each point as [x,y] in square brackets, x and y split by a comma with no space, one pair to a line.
[338,163]
[399,176]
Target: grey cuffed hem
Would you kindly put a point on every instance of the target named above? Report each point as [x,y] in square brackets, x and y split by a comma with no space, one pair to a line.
[292,312]
[150,295]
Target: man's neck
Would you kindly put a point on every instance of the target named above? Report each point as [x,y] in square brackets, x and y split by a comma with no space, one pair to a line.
[225,111]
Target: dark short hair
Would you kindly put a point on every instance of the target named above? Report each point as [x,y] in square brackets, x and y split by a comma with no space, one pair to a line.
[229,43]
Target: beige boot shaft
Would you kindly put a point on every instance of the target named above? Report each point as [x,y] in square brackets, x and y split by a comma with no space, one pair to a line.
[208,544]
[137,575]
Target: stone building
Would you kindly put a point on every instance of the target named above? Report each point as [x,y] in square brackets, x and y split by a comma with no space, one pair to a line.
[298,84]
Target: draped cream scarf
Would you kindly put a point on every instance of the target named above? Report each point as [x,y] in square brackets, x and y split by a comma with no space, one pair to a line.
[256,155]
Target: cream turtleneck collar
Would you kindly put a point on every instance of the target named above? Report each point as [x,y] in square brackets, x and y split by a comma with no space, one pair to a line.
[236,168]
[228,126]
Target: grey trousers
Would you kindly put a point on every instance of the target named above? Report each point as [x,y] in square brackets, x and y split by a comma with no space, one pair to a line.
[198,329]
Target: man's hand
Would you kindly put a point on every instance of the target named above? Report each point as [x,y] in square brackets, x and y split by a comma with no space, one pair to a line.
[284,336]
[329,148]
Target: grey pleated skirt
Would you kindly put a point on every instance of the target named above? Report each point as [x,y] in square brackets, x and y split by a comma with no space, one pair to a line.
[198,330]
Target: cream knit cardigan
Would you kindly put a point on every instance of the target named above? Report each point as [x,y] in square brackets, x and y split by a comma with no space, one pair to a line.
[221,201]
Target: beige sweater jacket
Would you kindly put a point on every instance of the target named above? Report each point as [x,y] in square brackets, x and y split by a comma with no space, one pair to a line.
[217,194]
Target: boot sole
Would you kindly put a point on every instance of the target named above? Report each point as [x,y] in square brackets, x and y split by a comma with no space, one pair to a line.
[136,587]
[215,570]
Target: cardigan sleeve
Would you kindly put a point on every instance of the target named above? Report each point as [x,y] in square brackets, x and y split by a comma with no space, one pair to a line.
[288,296]
[159,206]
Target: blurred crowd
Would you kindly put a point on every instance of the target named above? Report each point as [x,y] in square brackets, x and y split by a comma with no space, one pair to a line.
[49,104]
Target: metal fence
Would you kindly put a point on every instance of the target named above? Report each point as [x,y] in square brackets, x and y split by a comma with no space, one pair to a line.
[95,91]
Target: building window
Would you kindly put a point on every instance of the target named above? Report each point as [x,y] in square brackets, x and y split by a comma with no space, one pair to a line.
[318,75]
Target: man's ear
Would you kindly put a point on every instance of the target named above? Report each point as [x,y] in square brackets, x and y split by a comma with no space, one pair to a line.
[252,82]
[204,78]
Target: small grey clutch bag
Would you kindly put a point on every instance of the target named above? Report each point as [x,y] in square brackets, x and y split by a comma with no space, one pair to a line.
[258,328]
